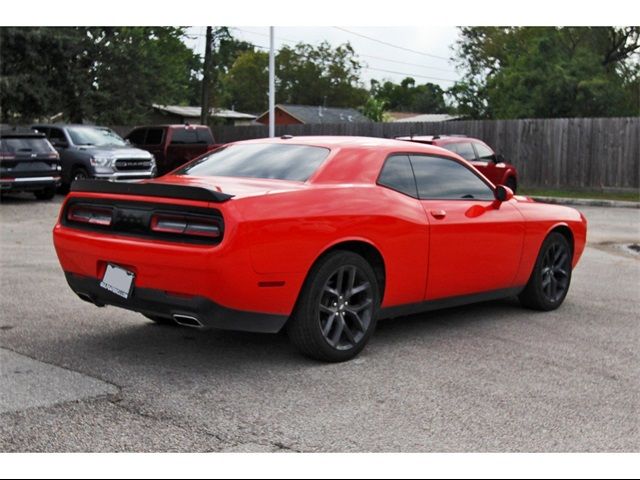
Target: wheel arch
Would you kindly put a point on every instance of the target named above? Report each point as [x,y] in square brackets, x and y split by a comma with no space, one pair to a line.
[366,249]
[564,230]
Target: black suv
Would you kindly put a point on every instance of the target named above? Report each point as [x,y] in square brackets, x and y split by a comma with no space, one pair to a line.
[28,163]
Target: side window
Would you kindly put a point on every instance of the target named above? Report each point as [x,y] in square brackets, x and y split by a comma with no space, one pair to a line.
[154,136]
[464,149]
[397,175]
[439,178]
[484,152]
[137,136]
[57,137]
[184,136]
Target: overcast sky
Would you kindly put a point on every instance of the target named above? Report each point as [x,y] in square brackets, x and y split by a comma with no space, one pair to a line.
[428,62]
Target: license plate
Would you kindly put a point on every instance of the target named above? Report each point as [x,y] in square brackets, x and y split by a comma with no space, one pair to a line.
[118,280]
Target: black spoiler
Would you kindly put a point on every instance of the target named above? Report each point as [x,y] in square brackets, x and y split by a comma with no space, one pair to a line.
[151,189]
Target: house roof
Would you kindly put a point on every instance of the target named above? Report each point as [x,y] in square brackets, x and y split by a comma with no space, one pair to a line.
[194,112]
[320,114]
[427,117]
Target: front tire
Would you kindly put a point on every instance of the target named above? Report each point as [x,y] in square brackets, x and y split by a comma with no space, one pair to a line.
[336,313]
[512,184]
[549,282]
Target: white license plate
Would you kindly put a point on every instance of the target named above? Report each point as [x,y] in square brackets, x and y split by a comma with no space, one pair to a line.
[118,280]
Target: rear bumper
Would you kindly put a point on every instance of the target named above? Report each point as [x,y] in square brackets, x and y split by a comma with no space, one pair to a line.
[28,183]
[158,302]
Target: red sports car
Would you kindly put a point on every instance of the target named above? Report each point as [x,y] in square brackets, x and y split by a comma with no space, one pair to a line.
[321,235]
[491,164]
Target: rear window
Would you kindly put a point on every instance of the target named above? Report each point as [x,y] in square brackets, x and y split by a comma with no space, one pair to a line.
[204,136]
[260,160]
[184,136]
[25,145]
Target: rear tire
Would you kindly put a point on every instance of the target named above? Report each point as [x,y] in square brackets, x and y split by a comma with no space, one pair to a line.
[549,282]
[336,313]
[161,320]
[46,193]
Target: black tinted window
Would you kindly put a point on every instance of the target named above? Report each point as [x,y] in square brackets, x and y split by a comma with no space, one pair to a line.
[260,160]
[398,175]
[154,136]
[465,150]
[25,145]
[182,136]
[137,136]
[484,152]
[57,134]
[442,178]
[204,136]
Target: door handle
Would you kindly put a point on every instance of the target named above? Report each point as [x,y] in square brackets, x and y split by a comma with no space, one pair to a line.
[439,214]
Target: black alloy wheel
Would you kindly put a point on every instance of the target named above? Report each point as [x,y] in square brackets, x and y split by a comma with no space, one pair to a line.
[346,307]
[336,312]
[549,282]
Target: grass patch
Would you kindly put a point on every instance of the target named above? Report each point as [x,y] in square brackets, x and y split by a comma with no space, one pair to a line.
[590,194]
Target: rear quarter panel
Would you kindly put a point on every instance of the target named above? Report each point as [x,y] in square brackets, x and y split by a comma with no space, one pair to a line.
[288,232]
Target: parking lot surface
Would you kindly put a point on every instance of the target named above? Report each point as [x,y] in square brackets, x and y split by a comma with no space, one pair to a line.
[487,377]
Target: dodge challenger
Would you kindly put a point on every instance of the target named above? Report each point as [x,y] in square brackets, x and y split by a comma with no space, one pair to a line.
[321,236]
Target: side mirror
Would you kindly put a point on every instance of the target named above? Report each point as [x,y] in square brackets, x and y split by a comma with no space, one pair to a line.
[59,144]
[499,158]
[503,194]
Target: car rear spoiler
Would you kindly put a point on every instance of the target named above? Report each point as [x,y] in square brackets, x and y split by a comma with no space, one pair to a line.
[151,189]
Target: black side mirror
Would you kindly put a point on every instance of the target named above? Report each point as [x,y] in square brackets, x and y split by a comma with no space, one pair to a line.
[499,158]
[503,194]
[59,144]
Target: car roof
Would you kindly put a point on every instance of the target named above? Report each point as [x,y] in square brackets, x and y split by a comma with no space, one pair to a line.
[7,131]
[438,139]
[333,142]
[171,125]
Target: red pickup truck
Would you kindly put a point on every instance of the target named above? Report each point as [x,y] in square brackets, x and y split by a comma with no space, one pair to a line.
[173,145]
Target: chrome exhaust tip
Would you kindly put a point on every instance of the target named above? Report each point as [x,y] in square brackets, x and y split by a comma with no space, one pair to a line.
[187,321]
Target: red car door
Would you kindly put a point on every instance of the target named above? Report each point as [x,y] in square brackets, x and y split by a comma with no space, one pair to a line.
[475,241]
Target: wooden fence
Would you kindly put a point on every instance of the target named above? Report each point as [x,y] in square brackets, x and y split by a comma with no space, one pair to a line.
[594,153]
[575,153]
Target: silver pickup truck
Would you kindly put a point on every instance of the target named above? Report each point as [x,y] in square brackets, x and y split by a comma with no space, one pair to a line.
[88,151]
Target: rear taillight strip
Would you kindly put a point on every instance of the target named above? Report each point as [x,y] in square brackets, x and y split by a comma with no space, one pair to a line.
[90,215]
[185,225]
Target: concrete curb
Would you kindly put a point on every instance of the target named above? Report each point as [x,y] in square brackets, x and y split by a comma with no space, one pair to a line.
[588,202]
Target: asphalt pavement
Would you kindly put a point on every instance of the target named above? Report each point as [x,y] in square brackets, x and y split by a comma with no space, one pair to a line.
[486,377]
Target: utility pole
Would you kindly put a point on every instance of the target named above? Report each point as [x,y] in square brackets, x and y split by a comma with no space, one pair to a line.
[272,86]
[206,79]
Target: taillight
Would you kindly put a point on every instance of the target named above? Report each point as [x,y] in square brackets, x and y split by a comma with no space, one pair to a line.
[185,225]
[91,215]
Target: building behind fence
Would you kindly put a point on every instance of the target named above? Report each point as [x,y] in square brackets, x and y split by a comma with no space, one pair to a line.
[580,153]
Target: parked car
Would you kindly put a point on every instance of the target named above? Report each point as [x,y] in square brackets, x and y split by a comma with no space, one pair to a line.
[492,165]
[173,145]
[323,235]
[28,163]
[96,152]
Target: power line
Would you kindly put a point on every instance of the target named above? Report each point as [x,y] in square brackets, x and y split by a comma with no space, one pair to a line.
[450,70]
[391,44]
[409,74]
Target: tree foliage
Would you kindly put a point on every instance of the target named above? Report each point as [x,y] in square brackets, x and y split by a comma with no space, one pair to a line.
[520,72]
[101,74]
[409,97]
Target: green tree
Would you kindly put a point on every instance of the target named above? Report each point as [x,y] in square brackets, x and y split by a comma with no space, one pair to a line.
[409,97]
[519,72]
[246,84]
[374,109]
[319,75]
[101,74]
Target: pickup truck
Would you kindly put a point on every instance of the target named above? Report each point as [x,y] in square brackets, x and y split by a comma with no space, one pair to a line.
[173,145]
[88,151]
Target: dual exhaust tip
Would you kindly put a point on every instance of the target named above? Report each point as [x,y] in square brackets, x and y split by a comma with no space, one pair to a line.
[180,319]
